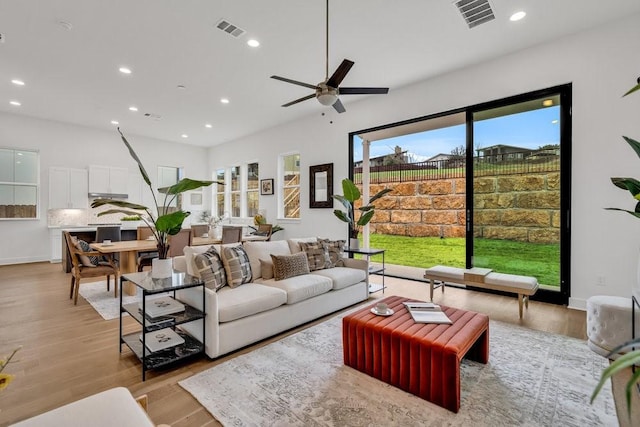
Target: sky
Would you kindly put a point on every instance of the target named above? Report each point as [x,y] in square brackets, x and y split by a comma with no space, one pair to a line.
[530,129]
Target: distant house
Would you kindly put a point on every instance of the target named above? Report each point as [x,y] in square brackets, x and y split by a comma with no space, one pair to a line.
[439,160]
[395,158]
[502,153]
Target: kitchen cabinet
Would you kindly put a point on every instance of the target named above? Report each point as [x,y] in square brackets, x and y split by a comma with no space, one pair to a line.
[55,240]
[108,180]
[68,188]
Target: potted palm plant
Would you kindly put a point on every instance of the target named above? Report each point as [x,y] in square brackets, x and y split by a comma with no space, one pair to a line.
[350,195]
[165,221]
[632,357]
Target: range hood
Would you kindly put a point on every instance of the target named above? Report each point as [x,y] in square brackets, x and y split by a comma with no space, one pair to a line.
[108,196]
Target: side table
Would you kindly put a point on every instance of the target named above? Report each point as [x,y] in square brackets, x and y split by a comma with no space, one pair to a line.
[369,252]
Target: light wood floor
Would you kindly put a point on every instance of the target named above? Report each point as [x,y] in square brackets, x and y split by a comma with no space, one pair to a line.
[70,352]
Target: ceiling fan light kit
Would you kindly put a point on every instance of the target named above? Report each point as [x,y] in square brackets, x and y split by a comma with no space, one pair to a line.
[327,91]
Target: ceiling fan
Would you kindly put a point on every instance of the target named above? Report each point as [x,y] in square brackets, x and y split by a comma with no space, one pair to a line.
[327,91]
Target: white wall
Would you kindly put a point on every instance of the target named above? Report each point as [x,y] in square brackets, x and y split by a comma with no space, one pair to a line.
[602,64]
[78,147]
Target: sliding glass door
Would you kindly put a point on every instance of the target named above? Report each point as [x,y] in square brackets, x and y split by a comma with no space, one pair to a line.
[517,202]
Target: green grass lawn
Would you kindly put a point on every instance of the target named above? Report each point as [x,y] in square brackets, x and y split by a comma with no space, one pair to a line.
[529,259]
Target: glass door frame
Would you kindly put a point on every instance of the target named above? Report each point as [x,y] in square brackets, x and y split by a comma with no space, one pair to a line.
[564,91]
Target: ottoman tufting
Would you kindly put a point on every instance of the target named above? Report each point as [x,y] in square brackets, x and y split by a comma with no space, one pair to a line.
[420,358]
[609,323]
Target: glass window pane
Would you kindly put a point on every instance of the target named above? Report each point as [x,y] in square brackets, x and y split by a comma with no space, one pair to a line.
[235,205]
[7,165]
[252,203]
[220,204]
[26,167]
[235,178]
[18,201]
[292,202]
[252,176]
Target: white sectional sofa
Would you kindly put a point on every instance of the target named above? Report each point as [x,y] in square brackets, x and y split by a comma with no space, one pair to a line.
[250,312]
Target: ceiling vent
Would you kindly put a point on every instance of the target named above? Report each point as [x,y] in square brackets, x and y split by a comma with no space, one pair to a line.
[153,116]
[475,12]
[2,37]
[229,28]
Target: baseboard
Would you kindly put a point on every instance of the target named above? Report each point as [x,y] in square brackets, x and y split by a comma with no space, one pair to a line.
[578,304]
[22,260]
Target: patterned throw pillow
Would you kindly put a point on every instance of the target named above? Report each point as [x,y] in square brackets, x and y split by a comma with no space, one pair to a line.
[211,269]
[87,261]
[237,265]
[266,267]
[317,255]
[285,266]
[335,249]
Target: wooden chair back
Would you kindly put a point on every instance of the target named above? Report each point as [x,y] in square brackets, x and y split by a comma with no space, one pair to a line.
[231,234]
[265,230]
[179,241]
[144,232]
[198,230]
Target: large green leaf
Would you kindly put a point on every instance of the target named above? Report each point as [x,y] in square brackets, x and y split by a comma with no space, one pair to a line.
[636,214]
[122,211]
[119,203]
[634,144]
[347,204]
[630,184]
[185,184]
[171,223]
[143,172]
[633,89]
[379,194]
[350,191]
[342,216]
[365,218]
[623,362]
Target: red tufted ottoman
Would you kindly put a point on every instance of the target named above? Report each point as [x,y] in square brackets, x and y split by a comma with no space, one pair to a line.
[421,358]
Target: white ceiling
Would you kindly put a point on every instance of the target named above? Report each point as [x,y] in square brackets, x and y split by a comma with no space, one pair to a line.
[72,75]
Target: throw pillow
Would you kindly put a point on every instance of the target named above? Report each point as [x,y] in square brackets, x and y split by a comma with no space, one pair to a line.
[266,267]
[285,266]
[317,255]
[335,250]
[237,266]
[87,261]
[210,267]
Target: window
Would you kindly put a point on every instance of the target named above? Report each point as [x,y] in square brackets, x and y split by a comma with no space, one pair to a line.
[235,192]
[290,184]
[18,183]
[253,185]
[168,176]
[218,193]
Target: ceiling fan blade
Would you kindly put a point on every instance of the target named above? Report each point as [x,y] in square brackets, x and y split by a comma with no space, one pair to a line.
[295,82]
[340,73]
[338,106]
[364,90]
[304,98]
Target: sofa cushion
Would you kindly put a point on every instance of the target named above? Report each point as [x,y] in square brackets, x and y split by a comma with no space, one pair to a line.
[190,253]
[210,269]
[266,269]
[262,250]
[317,255]
[342,277]
[303,287]
[236,264]
[247,300]
[294,244]
[285,266]
[335,250]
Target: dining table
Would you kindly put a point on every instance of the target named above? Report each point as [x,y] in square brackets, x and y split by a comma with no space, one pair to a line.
[128,250]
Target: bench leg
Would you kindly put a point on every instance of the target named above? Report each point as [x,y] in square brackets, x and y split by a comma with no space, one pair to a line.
[431,290]
[520,302]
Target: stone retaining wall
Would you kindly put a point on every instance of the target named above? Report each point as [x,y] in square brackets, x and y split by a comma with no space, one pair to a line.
[512,207]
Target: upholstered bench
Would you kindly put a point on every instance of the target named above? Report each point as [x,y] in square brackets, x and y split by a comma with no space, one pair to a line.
[523,286]
[420,358]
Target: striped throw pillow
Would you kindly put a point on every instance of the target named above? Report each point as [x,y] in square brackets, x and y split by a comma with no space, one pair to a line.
[237,265]
[317,255]
[211,269]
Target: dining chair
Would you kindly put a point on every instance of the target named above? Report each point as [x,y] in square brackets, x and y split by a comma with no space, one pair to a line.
[265,230]
[109,232]
[82,270]
[144,258]
[198,230]
[231,234]
[178,242]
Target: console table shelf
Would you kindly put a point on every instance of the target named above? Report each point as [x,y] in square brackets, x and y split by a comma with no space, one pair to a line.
[137,341]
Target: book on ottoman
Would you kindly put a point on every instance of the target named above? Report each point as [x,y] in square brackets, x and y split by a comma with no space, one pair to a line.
[161,339]
[427,312]
[162,306]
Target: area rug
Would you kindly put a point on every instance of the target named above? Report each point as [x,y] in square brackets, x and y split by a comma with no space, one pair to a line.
[532,379]
[103,301]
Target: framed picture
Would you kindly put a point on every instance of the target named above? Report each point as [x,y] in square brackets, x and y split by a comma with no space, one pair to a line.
[266,186]
[196,198]
[321,186]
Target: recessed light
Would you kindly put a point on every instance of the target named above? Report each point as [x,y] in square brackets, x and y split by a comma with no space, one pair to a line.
[16,103]
[66,25]
[124,70]
[184,135]
[518,16]
[224,100]
[253,43]
[17,82]
[132,108]
[547,103]
[208,126]
[181,87]
[115,122]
